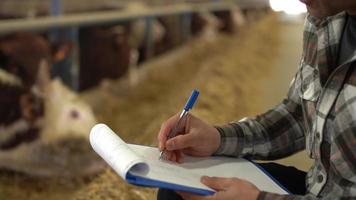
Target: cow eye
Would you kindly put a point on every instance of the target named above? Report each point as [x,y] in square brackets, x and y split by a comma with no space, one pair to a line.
[74,114]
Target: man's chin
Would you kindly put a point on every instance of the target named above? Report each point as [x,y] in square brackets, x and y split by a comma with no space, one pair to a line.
[322,13]
[306,2]
[318,13]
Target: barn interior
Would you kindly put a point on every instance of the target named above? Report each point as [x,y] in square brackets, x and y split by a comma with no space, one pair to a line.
[66,65]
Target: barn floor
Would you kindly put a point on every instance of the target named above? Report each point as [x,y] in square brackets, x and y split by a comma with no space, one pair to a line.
[238,75]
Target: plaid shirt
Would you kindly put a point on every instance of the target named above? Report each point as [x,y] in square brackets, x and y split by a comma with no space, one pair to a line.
[318,114]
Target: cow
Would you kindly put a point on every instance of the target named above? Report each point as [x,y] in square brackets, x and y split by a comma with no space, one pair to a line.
[114,51]
[104,53]
[44,126]
[20,105]
[205,24]
[231,19]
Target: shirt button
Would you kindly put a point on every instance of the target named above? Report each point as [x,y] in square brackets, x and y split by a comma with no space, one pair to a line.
[318,135]
[305,87]
[333,85]
[320,178]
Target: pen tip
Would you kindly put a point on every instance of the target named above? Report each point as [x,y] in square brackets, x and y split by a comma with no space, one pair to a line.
[160,155]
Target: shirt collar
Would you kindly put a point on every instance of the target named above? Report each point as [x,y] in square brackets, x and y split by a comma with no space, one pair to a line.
[322,38]
[333,20]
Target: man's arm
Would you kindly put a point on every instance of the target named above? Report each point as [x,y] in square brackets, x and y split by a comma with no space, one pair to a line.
[329,196]
[274,134]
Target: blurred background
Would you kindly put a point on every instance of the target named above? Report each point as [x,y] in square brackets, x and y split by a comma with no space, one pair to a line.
[66,65]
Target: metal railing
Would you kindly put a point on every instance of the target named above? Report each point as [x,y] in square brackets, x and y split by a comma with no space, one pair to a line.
[72,23]
[109,17]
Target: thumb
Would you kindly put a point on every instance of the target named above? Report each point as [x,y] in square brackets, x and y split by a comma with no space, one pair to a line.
[180,142]
[216,183]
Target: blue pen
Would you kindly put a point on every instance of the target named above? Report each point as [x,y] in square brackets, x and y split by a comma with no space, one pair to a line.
[189,105]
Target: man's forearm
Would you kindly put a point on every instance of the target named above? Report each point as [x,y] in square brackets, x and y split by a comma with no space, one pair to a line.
[274,134]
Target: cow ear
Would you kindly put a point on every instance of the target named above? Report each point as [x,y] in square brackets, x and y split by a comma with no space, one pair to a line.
[43,77]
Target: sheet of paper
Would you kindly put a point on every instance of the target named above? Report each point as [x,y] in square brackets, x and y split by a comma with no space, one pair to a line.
[113,150]
[166,171]
[144,161]
[189,172]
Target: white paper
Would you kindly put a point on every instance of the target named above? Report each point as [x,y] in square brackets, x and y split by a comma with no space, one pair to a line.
[190,171]
[113,150]
[144,161]
[166,171]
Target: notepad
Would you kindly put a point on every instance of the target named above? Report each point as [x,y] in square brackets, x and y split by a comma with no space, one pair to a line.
[140,165]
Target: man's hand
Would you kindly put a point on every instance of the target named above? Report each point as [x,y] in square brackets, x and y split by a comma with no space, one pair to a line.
[195,138]
[227,189]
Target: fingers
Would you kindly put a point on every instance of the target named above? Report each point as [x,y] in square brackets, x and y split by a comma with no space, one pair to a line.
[190,196]
[174,156]
[217,183]
[181,142]
[186,195]
[177,143]
[165,128]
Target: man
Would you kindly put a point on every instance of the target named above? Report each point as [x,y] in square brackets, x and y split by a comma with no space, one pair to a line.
[319,115]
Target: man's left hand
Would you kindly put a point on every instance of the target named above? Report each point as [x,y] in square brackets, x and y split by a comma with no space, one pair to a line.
[227,188]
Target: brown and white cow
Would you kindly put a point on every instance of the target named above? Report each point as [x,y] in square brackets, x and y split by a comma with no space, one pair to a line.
[44,126]
[111,52]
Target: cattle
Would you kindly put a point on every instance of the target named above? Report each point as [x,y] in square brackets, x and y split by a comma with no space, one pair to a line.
[20,54]
[104,53]
[209,23]
[144,36]
[44,126]
[18,112]
[205,24]
[20,105]
[231,19]
[110,52]
[173,36]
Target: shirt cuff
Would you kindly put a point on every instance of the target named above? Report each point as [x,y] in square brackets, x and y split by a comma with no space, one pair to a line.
[272,196]
[232,141]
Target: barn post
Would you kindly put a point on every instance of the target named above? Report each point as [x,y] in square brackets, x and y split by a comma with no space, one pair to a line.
[68,68]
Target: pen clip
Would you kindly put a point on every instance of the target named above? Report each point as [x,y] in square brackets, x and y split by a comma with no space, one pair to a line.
[193,97]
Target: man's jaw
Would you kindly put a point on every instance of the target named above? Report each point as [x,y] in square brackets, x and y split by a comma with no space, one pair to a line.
[306,2]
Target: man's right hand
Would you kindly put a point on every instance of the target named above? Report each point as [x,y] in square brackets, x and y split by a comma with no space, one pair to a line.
[195,138]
